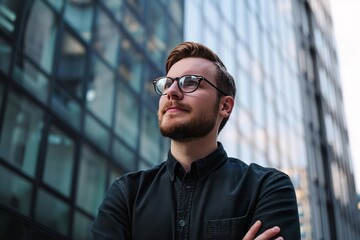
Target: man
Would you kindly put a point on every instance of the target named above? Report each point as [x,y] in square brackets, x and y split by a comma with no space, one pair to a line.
[198,192]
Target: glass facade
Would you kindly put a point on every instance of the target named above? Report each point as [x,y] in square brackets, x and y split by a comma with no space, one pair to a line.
[289,111]
[77,108]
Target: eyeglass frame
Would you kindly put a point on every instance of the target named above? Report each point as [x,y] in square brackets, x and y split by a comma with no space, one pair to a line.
[200,78]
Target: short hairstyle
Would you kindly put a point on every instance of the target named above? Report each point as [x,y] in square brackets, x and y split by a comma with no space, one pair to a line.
[224,81]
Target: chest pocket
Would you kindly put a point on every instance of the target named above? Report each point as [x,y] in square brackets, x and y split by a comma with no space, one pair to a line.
[229,228]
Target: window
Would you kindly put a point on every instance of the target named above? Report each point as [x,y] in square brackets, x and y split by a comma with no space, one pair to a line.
[131,64]
[82,227]
[150,137]
[97,132]
[39,35]
[71,67]
[21,133]
[124,155]
[156,27]
[100,91]
[58,167]
[32,79]
[15,192]
[52,212]
[80,16]
[67,107]
[134,26]
[106,38]
[127,116]
[5,55]
[91,180]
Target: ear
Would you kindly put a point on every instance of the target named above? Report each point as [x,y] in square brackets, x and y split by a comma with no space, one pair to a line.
[226,106]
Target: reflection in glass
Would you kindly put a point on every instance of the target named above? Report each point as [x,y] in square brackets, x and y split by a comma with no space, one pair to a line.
[5,53]
[80,14]
[127,116]
[15,192]
[59,161]
[100,91]
[130,66]
[39,35]
[52,212]
[32,79]
[21,133]
[72,65]
[106,39]
[91,181]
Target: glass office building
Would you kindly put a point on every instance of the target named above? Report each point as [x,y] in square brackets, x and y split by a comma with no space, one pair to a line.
[77,107]
[289,112]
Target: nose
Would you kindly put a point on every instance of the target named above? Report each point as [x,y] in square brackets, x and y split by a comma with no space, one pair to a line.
[174,92]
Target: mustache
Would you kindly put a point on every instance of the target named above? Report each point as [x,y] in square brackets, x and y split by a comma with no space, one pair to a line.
[176,104]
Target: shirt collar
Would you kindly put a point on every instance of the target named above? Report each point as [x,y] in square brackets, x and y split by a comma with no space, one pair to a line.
[203,166]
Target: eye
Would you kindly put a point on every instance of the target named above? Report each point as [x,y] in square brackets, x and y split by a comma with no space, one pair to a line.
[167,83]
[189,81]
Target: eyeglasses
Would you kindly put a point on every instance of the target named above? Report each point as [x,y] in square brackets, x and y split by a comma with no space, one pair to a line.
[186,84]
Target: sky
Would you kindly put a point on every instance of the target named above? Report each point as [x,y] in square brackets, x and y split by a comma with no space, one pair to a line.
[346,17]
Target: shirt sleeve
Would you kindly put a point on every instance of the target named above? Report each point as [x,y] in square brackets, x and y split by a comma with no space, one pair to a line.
[277,206]
[112,220]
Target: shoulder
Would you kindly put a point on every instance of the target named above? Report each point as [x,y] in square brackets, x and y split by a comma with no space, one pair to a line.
[257,173]
[136,178]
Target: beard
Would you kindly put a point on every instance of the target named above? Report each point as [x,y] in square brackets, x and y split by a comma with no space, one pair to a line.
[198,126]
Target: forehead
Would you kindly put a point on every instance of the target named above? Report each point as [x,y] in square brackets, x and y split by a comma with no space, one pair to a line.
[192,65]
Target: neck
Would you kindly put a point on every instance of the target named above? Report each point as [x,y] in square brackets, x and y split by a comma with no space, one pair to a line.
[187,152]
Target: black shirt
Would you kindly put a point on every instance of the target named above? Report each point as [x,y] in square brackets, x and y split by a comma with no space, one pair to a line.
[219,198]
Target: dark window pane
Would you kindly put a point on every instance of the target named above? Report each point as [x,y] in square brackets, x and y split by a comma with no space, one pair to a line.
[39,35]
[91,181]
[67,107]
[82,227]
[52,212]
[59,161]
[5,55]
[72,65]
[15,192]
[150,137]
[106,39]
[127,115]
[124,155]
[100,91]
[97,132]
[32,79]
[21,133]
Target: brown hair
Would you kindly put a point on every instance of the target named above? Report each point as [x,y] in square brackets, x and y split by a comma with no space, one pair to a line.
[224,81]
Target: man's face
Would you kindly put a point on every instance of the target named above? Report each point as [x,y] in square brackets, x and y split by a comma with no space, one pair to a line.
[186,116]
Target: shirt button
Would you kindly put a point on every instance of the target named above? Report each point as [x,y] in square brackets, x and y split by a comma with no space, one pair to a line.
[182,223]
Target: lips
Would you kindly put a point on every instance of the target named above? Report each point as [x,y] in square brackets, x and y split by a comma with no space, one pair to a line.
[175,107]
